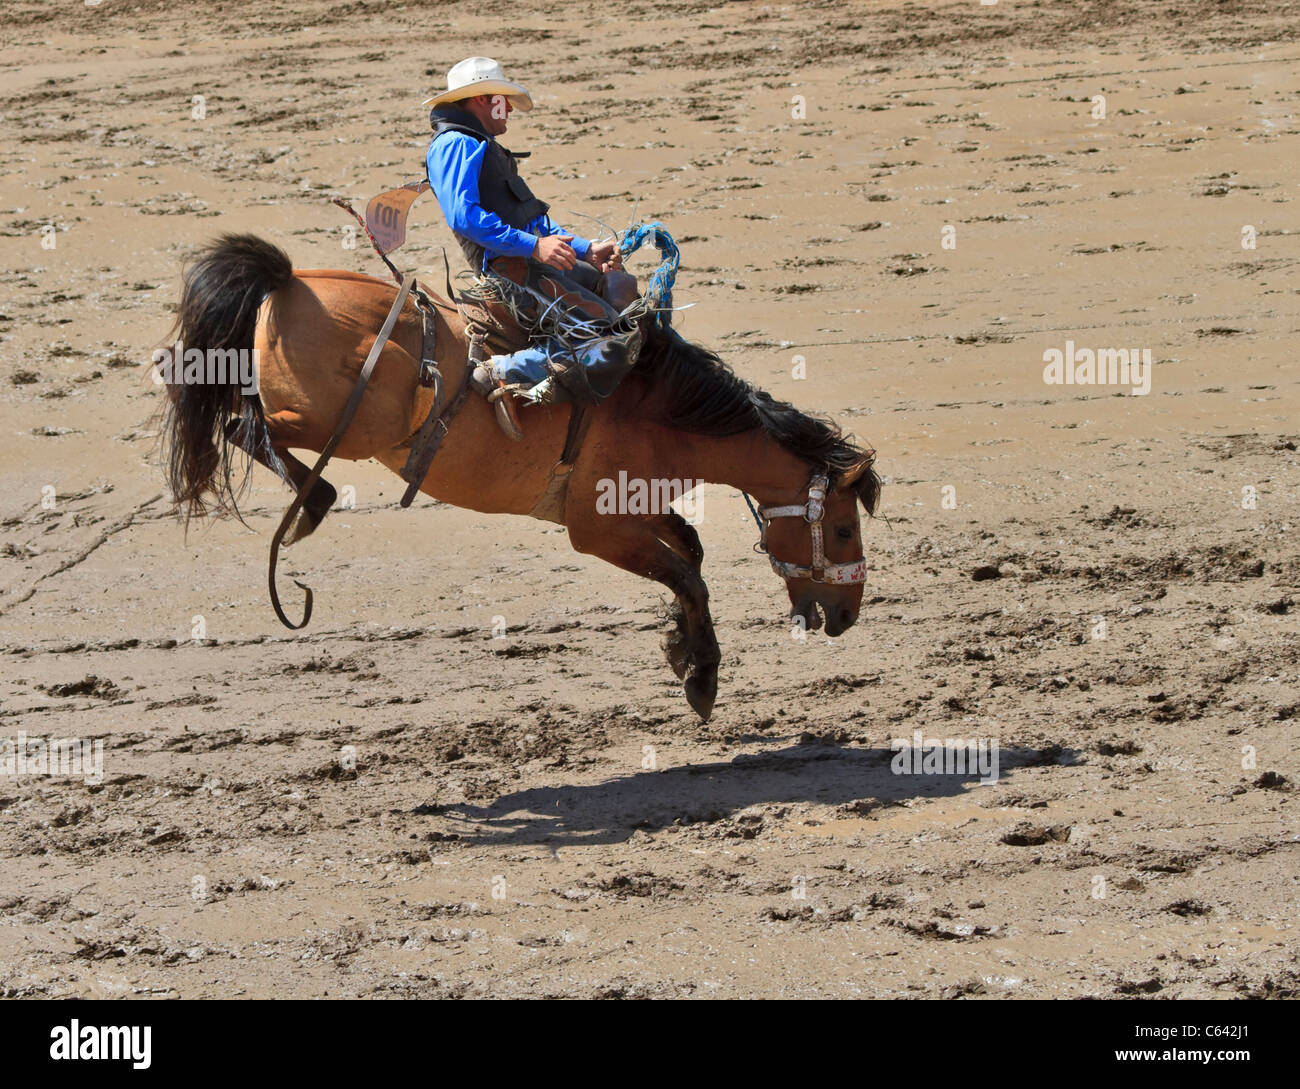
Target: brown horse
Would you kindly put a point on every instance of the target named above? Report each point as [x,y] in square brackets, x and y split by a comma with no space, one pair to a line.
[681,414]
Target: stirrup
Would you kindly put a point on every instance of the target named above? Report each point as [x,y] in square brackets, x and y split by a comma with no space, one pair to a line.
[502,399]
[480,375]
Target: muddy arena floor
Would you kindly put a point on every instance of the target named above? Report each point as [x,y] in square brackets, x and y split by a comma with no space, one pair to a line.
[396,803]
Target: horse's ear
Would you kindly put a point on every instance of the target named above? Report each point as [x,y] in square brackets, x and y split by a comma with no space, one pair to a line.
[852,476]
[862,479]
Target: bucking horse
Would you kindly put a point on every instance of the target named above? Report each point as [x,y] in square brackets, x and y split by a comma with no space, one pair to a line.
[680,414]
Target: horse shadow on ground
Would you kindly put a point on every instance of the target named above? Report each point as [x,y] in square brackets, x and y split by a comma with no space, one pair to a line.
[858,779]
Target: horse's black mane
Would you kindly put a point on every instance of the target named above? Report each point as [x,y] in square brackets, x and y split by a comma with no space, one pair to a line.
[706,397]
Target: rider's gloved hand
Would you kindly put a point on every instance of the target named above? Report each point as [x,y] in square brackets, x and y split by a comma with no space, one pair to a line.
[554,250]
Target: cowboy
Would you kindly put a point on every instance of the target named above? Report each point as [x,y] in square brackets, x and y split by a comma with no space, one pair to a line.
[505,230]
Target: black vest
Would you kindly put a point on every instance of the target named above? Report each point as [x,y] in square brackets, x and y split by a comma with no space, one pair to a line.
[500,188]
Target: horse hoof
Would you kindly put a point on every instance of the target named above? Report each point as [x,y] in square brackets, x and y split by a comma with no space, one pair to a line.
[700,695]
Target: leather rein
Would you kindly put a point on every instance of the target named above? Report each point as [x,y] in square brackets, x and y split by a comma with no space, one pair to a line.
[426,445]
[812,510]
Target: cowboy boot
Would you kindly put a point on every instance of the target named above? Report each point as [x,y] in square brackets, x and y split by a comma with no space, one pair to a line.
[528,373]
[550,374]
[525,367]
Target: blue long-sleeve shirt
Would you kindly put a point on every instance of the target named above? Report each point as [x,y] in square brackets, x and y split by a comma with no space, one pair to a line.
[454,163]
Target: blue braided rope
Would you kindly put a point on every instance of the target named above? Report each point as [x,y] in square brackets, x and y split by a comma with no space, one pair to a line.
[660,288]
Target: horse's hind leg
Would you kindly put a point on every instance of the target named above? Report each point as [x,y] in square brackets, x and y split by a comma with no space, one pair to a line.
[633,544]
[317,504]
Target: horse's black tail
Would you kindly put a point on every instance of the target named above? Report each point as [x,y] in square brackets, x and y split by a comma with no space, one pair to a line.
[223,291]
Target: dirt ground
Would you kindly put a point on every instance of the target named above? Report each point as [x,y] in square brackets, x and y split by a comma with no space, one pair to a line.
[395,803]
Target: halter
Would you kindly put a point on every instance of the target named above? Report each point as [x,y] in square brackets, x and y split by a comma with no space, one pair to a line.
[812,510]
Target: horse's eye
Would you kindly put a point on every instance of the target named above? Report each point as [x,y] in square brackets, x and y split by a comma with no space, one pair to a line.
[844,533]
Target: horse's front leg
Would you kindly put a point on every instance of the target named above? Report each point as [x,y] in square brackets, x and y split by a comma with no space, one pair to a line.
[679,535]
[634,545]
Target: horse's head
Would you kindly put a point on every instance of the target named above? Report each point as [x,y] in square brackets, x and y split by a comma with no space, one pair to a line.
[816,546]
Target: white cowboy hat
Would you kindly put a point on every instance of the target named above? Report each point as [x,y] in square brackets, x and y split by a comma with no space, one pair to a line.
[480,76]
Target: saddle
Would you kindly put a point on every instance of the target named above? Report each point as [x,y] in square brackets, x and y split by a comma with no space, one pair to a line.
[490,326]
[492,313]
